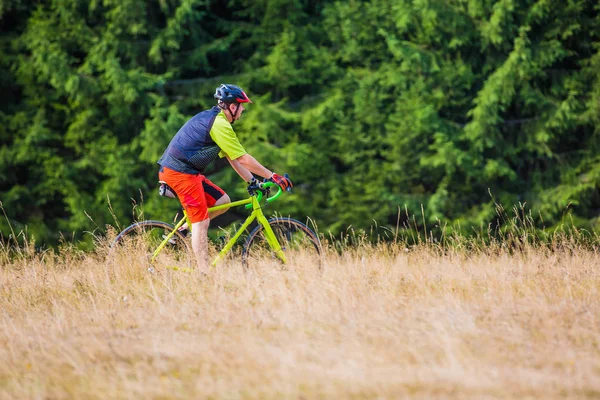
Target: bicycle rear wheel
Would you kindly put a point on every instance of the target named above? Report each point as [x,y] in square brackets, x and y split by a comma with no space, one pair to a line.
[137,243]
[299,243]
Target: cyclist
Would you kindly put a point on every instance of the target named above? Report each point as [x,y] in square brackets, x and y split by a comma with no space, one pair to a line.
[198,142]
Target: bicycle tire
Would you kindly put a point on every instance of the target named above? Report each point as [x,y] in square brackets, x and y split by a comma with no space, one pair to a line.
[147,235]
[297,240]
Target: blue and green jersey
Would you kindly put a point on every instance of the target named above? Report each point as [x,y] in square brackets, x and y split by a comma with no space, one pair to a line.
[200,140]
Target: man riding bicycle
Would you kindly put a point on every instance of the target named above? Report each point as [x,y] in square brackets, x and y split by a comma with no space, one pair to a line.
[198,142]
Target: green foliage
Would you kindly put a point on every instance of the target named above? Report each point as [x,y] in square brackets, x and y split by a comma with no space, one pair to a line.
[449,107]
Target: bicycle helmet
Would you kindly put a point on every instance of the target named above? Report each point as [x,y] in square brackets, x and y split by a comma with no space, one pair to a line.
[231,94]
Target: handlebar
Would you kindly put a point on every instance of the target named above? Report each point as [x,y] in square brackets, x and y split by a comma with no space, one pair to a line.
[267,186]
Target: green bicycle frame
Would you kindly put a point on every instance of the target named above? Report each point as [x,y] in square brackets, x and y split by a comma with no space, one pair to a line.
[257,213]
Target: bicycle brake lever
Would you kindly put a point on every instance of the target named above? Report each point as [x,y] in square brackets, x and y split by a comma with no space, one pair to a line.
[267,193]
[288,189]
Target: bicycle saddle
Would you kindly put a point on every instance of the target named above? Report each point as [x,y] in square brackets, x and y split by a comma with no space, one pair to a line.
[166,190]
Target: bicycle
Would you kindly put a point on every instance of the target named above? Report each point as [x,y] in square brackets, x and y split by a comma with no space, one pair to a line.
[280,238]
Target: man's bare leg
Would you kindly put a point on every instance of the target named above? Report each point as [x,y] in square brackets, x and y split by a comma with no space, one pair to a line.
[223,200]
[200,244]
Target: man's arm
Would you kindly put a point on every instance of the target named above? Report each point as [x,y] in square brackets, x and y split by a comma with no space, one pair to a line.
[241,171]
[243,165]
[250,164]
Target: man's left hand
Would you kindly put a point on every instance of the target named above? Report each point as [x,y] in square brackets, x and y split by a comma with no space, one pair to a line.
[284,182]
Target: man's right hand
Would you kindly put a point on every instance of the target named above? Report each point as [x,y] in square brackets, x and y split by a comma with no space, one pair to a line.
[284,182]
[253,186]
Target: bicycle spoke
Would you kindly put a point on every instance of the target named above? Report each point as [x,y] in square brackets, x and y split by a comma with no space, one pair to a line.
[299,244]
[139,245]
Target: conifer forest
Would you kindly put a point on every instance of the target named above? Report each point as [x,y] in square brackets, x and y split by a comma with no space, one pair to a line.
[421,113]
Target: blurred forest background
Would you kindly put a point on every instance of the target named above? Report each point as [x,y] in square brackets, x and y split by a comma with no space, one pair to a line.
[445,106]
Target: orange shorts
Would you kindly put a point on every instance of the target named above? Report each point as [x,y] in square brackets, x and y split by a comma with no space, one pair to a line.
[195,192]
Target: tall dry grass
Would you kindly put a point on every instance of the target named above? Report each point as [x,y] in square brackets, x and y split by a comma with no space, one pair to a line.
[381,321]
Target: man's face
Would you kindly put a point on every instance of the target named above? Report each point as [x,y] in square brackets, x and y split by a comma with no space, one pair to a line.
[236,110]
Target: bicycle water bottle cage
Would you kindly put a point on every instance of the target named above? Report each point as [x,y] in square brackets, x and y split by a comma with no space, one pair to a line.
[166,190]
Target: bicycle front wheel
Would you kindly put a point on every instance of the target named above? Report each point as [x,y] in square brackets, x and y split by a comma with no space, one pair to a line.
[138,244]
[299,244]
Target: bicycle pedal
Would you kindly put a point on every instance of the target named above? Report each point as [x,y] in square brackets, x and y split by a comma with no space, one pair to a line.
[184,232]
[170,241]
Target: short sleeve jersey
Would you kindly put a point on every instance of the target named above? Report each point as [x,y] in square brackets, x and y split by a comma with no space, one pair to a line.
[223,135]
[200,140]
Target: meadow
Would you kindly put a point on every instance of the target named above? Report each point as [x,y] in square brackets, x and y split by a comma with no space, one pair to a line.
[379,321]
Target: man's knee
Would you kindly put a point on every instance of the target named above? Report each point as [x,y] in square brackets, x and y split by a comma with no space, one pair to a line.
[224,199]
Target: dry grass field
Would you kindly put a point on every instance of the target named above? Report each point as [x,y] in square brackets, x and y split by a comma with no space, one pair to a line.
[378,322]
